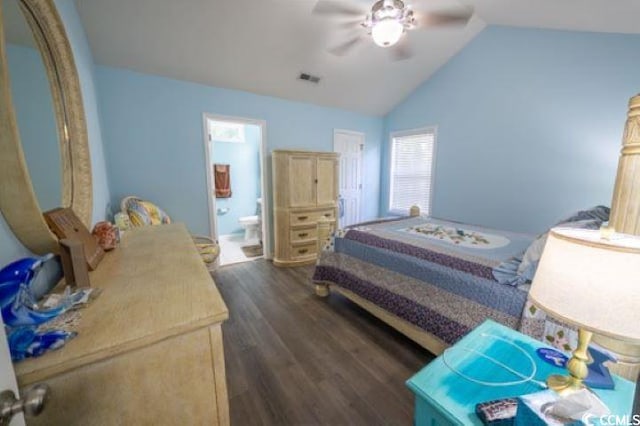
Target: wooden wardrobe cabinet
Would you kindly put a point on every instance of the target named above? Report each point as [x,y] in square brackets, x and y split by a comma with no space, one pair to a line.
[305,188]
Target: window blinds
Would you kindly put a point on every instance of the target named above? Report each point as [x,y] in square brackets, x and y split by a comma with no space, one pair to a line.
[411,171]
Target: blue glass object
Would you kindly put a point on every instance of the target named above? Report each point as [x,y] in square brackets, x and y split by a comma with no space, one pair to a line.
[17,302]
[27,342]
[20,312]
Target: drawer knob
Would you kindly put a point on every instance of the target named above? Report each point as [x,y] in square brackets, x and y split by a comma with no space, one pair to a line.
[303,251]
[303,217]
[303,234]
[31,404]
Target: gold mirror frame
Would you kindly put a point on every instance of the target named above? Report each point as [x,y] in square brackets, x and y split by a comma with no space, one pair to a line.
[18,201]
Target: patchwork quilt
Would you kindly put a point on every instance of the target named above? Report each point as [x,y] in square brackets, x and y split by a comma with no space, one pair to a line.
[437,275]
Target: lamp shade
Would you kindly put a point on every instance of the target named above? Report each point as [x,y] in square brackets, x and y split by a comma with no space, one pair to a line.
[591,282]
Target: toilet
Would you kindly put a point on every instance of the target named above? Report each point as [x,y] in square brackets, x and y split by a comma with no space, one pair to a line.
[252,225]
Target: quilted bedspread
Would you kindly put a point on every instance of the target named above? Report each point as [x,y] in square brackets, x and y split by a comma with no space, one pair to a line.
[432,273]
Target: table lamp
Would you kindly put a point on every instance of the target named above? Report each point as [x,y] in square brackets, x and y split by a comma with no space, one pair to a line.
[592,281]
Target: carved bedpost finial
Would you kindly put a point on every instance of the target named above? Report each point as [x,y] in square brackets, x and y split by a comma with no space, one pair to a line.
[414,211]
[625,207]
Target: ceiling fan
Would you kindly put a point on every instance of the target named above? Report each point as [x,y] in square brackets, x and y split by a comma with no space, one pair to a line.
[387,21]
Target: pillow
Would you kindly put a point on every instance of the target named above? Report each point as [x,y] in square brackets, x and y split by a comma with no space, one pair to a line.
[144,213]
[599,213]
[531,257]
[520,269]
[156,215]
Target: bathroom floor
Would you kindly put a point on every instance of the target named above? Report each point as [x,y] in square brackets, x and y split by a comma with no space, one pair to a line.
[231,249]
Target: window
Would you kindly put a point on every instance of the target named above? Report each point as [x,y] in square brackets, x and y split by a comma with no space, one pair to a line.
[222,131]
[412,161]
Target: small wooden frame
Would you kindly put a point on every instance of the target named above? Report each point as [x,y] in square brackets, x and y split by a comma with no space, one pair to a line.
[74,264]
[66,225]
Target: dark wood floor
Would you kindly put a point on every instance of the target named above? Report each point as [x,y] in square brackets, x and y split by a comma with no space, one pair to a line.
[294,358]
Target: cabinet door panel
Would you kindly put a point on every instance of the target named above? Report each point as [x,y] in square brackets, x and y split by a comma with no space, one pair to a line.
[302,172]
[327,181]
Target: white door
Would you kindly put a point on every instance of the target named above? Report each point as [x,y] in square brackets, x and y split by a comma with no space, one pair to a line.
[350,145]
[7,375]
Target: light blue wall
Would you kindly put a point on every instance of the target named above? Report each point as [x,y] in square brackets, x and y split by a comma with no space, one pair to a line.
[529,125]
[10,247]
[33,105]
[154,138]
[244,159]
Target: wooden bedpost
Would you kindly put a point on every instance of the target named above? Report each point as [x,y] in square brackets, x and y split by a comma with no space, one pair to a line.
[625,207]
[414,211]
[324,234]
[625,218]
[322,290]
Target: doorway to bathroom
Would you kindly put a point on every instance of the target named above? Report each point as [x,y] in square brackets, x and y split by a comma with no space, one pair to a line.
[236,176]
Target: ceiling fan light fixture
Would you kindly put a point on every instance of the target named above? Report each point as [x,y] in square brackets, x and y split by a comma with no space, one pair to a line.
[387,32]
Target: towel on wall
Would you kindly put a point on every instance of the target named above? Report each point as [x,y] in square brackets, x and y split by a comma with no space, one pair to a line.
[222,174]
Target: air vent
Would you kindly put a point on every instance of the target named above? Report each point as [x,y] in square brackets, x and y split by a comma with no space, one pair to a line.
[310,78]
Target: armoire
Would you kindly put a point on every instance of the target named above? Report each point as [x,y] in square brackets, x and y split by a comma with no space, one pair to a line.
[305,189]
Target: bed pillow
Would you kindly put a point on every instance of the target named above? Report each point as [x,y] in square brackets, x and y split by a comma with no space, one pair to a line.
[598,213]
[531,257]
[520,269]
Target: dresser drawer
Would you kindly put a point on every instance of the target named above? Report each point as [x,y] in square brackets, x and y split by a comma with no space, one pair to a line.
[304,234]
[311,217]
[303,250]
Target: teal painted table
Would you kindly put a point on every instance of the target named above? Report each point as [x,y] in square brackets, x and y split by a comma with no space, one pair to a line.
[443,397]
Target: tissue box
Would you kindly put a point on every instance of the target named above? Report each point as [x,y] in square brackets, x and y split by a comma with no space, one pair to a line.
[530,410]
[501,412]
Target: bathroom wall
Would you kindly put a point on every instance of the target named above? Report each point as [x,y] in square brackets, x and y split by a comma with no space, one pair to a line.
[244,159]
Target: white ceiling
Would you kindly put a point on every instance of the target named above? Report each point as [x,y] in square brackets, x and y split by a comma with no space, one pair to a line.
[262,45]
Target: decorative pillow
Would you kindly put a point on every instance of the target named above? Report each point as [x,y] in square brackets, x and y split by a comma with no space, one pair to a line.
[137,213]
[520,269]
[531,258]
[599,213]
[144,213]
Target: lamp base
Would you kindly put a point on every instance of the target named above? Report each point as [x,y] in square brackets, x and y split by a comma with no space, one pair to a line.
[564,384]
[577,368]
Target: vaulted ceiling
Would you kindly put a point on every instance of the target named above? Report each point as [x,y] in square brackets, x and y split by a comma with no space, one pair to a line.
[261,46]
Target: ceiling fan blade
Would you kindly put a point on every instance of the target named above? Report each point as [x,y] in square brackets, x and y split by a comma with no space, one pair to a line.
[351,24]
[402,50]
[332,7]
[344,48]
[444,19]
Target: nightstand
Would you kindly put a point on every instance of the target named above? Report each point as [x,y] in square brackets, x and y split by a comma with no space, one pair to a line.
[443,397]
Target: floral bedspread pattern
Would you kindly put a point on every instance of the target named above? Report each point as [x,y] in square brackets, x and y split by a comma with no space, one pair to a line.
[458,235]
[442,287]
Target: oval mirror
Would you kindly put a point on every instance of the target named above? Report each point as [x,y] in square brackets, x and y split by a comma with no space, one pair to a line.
[34,108]
[44,153]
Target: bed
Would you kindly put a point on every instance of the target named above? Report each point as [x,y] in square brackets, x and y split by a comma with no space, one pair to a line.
[433,280]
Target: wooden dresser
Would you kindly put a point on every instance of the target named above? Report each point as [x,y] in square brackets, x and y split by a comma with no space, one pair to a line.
[305,188]
[149,348]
